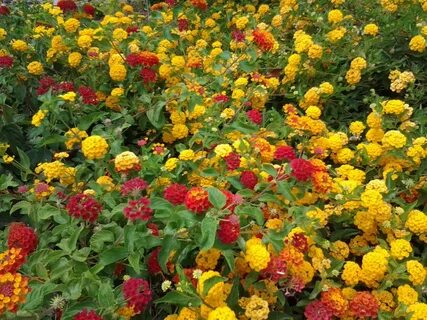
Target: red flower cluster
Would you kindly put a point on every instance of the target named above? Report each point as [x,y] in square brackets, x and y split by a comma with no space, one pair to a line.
[276,270]
[67,5]
[255,116]
[175,193]
[153,262]
[88,95]
[229,229]
[196,200]
[183,24]
[238,35]
[302,169]
[232,161]
[221,98]
[137,293]
[87,315]
[248,179]
[21,236]
[133,186]
[84,206]
[138,209]
[148,75]
[284,153]
[199,4]
[143,58]
[263,39]
[4,11]
[89,9]
[6,62]
[132,29]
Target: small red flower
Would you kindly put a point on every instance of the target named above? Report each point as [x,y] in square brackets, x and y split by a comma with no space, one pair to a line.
[196,200]
[255,116]
[182,24]
[88,95]
[45,84]
[21,236]
[153,262]
[238,36]
[229,229]
[232,161]
[4,11]
[67,5]
[199,4]
[221,98]
[248,179]
[87,315]
[276,269]
[154,229]
[137,293]
[175,193]
[299,241]
[6,62]
[284,153]
[138,209]
[148,75]
[11,260]
[89,9]
[301,169]
[133,186]
[132,29]
[84,206]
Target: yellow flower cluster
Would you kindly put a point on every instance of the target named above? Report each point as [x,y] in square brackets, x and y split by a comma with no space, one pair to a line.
[94,147]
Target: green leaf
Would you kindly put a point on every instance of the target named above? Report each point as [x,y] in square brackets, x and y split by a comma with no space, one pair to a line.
[208,284]
[284,189]
[247,67]
[229,258]
[216,198]
[209,226]
[6,181]
[316,290]
[233,297]
[105,295]
[37,294]
[73,289]
[81,255]
[156,116]
[70,244]
[24,159]
[180,299]
[98,240]
[168,245]
[47,211]
[134,261]
[24,206]
[251,211]
[112,255]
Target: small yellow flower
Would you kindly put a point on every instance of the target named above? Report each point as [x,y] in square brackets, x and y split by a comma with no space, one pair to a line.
[69,96]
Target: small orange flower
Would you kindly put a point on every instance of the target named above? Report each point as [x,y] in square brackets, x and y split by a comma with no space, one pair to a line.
[13,291]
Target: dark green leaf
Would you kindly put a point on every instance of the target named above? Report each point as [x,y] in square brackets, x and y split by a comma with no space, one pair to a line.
[112,255]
